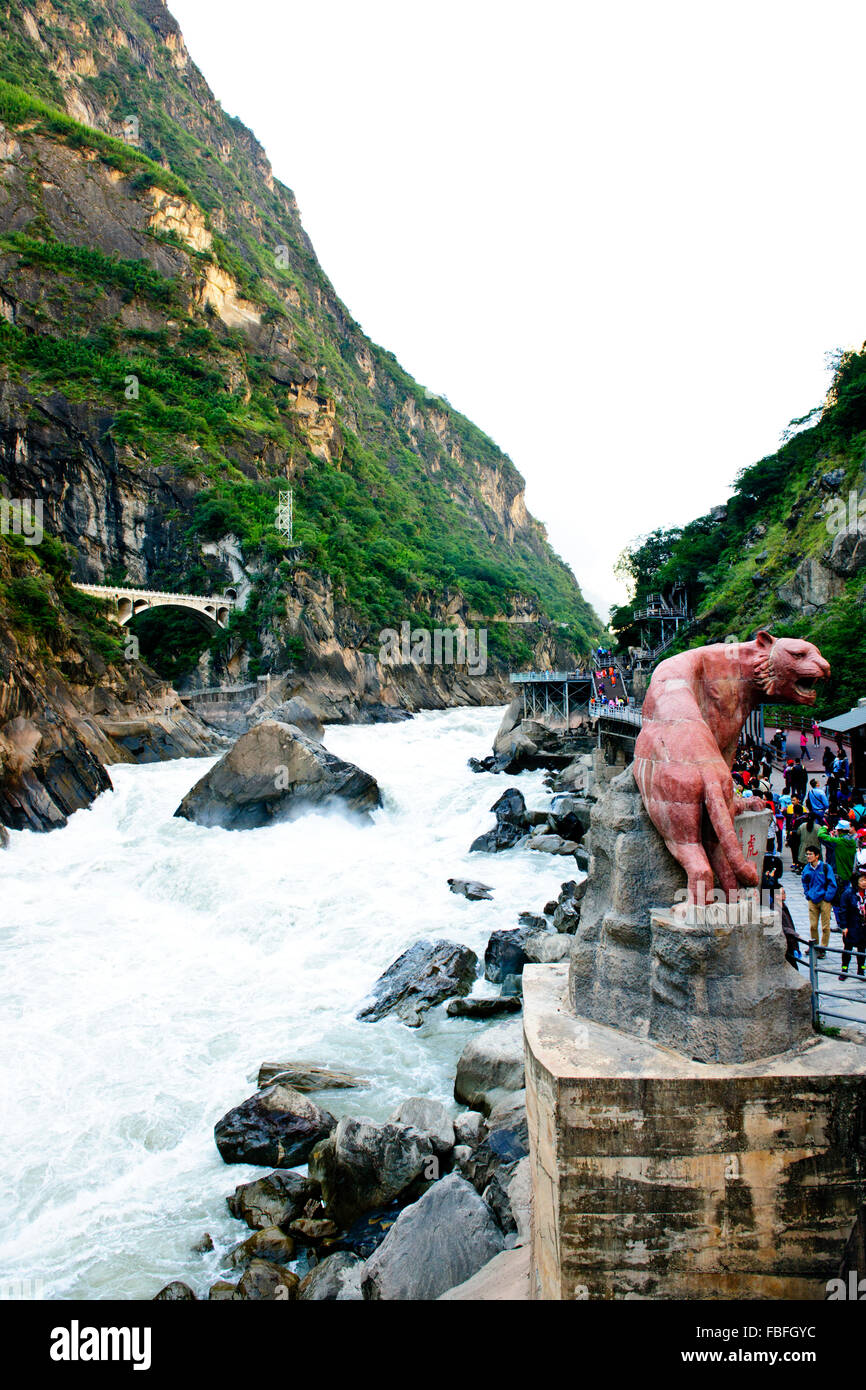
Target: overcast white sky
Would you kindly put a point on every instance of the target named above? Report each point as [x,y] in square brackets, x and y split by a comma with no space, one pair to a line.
[620,237]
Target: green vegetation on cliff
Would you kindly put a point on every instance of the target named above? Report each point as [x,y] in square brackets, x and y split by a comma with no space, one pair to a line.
[783,553]
[210,349]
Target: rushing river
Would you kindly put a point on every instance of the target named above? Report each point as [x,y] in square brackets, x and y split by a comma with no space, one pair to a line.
[149,965]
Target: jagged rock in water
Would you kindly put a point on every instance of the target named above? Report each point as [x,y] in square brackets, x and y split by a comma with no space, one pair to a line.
[504,954]
[512,824]
[470,888]
[492,763]
[568,818]
[276,1200]
[278,1127]
[552,844]
[533,920]
[306,1076]
[298,714]
[363,1166]
[434,1244]
[424,975]
[475,1007]
[274,773]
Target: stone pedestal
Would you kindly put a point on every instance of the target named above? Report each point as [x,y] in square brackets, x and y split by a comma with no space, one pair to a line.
[656,1176]
[721,990]
[711,981]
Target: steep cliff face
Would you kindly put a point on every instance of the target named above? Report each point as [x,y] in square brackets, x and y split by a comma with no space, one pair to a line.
[172,356]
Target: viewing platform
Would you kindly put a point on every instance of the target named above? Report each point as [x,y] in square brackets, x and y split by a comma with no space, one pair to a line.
[554,694]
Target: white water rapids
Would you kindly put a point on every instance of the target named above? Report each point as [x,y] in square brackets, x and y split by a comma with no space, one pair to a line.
[150,965]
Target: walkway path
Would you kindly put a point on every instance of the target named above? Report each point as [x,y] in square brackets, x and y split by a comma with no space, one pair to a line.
[855,1011]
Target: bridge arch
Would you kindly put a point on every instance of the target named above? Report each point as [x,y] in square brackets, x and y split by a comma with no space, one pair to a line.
[126,603]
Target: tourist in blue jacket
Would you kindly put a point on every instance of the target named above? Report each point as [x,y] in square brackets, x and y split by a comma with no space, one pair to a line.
[819,885]
[852,917]
[817,801]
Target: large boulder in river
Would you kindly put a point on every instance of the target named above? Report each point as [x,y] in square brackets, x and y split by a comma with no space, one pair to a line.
[175,1292]
[296,712]
[272,1201]
[490,1065]
[438,1242]
[278,1127]
[364,1166]
[425,974]
[274,772]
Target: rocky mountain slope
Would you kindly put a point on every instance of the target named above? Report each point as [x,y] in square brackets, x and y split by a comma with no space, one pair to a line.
[788,549]
[172,356]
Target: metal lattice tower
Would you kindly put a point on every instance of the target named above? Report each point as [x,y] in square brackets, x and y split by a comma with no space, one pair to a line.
[285,517]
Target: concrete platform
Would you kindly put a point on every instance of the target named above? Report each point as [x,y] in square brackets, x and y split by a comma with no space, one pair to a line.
[656,1176]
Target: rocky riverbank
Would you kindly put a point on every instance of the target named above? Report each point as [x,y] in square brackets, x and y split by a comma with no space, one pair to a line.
[377,1195]
[430,1202]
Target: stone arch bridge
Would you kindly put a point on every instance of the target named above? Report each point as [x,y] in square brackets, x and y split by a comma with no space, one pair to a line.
[126,604]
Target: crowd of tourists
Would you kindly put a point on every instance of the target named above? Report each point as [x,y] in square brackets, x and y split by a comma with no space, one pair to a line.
[821,818]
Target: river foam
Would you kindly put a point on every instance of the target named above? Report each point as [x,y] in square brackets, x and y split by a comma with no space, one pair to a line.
[150,965]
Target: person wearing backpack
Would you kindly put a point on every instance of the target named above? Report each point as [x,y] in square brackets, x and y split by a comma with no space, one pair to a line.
[816,800]
[819,886]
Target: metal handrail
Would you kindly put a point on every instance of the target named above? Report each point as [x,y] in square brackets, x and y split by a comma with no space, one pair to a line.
[625,714]
[816,970]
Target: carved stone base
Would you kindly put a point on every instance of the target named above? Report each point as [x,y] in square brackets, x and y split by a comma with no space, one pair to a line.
[724,992]
[717,988]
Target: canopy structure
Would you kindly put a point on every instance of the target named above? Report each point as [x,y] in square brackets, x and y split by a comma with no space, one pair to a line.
[853,723]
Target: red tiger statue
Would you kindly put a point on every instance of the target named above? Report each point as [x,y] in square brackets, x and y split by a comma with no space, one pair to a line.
[693,714]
